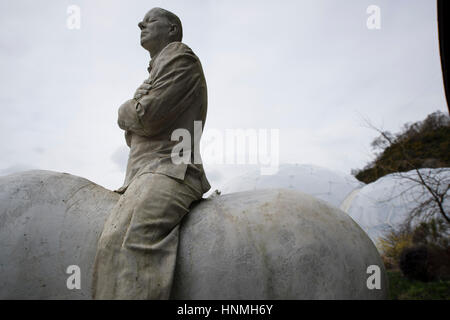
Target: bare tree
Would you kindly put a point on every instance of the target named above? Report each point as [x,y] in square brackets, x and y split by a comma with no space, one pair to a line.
[431,186]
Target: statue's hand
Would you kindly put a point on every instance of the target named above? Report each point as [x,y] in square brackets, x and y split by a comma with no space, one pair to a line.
[142,90]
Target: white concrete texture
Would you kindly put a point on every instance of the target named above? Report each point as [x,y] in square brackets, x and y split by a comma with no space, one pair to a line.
[48,221]
[261,244]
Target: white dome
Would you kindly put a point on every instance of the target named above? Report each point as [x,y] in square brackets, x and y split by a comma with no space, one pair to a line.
[376,207]
[325,184]
[388,201]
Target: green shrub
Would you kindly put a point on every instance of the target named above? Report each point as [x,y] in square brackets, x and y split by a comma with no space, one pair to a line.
[401,288]
[414,263]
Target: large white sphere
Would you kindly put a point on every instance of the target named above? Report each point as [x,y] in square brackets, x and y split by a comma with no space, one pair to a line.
[265,244]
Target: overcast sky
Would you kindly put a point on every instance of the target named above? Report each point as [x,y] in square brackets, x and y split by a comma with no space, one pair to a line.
[311,69]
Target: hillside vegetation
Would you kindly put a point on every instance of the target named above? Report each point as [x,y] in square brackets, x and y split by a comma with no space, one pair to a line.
[424,144]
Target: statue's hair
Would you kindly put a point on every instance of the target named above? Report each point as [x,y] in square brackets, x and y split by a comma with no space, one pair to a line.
[173,19]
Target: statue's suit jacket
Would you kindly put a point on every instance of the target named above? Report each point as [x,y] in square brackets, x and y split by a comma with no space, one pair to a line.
[177,98]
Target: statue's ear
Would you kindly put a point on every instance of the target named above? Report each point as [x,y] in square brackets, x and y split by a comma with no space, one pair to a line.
[173,30]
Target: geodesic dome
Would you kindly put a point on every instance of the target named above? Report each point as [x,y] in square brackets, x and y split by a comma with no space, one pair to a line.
[387,202]
[376,207]
[325,184]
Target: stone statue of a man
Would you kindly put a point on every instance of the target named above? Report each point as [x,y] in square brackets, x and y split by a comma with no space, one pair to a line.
[137,250]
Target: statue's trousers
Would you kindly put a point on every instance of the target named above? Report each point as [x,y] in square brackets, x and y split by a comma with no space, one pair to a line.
[137,249]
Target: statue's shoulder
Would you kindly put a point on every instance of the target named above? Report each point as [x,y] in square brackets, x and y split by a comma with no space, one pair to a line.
[174,49]
[177,46]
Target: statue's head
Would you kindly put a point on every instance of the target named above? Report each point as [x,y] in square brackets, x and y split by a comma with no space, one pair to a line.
[159,28]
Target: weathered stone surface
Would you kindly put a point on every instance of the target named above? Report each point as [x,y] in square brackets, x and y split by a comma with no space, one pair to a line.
[265,244]
[48,221]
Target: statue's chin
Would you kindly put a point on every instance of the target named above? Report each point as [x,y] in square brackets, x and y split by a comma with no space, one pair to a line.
[145,44]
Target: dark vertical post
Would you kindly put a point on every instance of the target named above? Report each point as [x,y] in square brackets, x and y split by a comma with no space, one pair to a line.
[443,7]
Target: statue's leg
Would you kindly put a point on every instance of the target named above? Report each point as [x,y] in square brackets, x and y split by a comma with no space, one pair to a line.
[110,243]
[144,226]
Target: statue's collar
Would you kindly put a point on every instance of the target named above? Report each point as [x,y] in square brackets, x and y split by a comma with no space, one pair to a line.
[150,65]
[152,61]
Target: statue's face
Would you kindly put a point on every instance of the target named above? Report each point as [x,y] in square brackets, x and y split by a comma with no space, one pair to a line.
[155,30]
